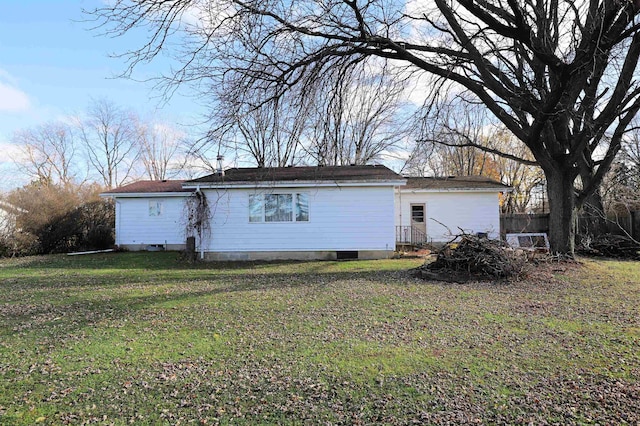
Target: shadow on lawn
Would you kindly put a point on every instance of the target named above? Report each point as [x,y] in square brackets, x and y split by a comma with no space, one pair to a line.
[114,260]
[113,269]
[169,260]
[64,312]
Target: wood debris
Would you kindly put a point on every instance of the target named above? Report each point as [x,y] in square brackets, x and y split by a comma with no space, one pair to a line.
[609,245]
[469,257]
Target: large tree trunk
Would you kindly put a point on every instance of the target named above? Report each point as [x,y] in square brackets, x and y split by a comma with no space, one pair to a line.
[562,212]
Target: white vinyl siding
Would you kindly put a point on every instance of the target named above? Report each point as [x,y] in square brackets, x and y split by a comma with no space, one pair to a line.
[448,212]
[148,221]
[348,218]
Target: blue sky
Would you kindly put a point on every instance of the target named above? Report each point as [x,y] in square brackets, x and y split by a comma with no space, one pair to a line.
[52,64]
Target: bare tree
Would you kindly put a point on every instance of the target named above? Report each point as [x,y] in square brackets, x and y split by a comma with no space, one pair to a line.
[448,147]
[448,140]
[525,179]
[357,118]
[267,131]
[558,75]
[159,146]
[109,135]
[201,158]
[631,155]
[436,159]
[48,153]
[621,187]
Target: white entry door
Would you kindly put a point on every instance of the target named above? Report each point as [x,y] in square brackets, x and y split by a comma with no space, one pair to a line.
[418,223]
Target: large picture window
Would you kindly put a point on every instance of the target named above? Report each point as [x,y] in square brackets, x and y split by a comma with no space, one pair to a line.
[279,207]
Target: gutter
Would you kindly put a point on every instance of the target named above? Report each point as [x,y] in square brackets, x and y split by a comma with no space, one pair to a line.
[423,190]
[144,194]
[292,184]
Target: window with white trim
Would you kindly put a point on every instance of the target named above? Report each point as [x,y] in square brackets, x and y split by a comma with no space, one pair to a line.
[279,207]
[155,208]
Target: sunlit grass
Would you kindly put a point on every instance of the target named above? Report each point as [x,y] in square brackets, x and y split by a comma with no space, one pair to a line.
[149,338]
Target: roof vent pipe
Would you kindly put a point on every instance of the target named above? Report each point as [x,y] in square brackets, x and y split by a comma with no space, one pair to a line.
[219,169]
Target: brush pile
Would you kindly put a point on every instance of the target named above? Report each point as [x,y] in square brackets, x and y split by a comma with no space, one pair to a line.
[609,245]
[469,257]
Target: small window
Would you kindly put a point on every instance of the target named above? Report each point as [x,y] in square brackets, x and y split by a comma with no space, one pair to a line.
[302,208]
[155,208]
[417,213]
[256,208]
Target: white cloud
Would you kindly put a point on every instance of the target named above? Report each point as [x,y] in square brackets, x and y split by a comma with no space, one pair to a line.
[12,99]
[10,174]
[12,153]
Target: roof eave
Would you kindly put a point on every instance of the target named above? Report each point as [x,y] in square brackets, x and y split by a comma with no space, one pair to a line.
[293,184]
[505,189]
[145,194]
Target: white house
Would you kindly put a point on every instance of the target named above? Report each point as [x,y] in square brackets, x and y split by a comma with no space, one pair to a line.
[433,210]
[269,213]
[305,212]
[150,214]
[8,213]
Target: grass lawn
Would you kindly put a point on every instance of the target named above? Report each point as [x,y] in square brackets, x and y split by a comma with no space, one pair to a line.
[145,338]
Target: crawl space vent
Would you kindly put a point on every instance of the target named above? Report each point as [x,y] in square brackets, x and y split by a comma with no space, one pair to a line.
[343,255]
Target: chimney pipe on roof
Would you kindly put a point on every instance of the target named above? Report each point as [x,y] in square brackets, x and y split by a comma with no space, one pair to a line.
[219,169]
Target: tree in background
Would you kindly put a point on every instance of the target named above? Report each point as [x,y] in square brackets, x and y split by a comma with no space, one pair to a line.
[59,212]
[350,118]
[110,138]
[448,146]
[48,153]
[621,189]
[107,144]
[159,147]
[266,131]
[448,140]
[525,179]
[558,75]
[355,117]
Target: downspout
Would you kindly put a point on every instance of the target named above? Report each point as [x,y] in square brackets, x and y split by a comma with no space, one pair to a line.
[398,231]
[200,231]
[118,207]
[400,206]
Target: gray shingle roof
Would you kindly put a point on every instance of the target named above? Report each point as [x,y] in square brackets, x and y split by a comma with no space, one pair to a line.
[148,186]
[327,173]
[454,182]
[310,173]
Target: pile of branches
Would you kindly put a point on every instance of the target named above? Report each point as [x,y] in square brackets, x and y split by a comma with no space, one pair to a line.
[469,257]
[610,245]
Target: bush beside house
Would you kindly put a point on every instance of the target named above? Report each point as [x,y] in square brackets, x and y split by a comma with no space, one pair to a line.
[57,219]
